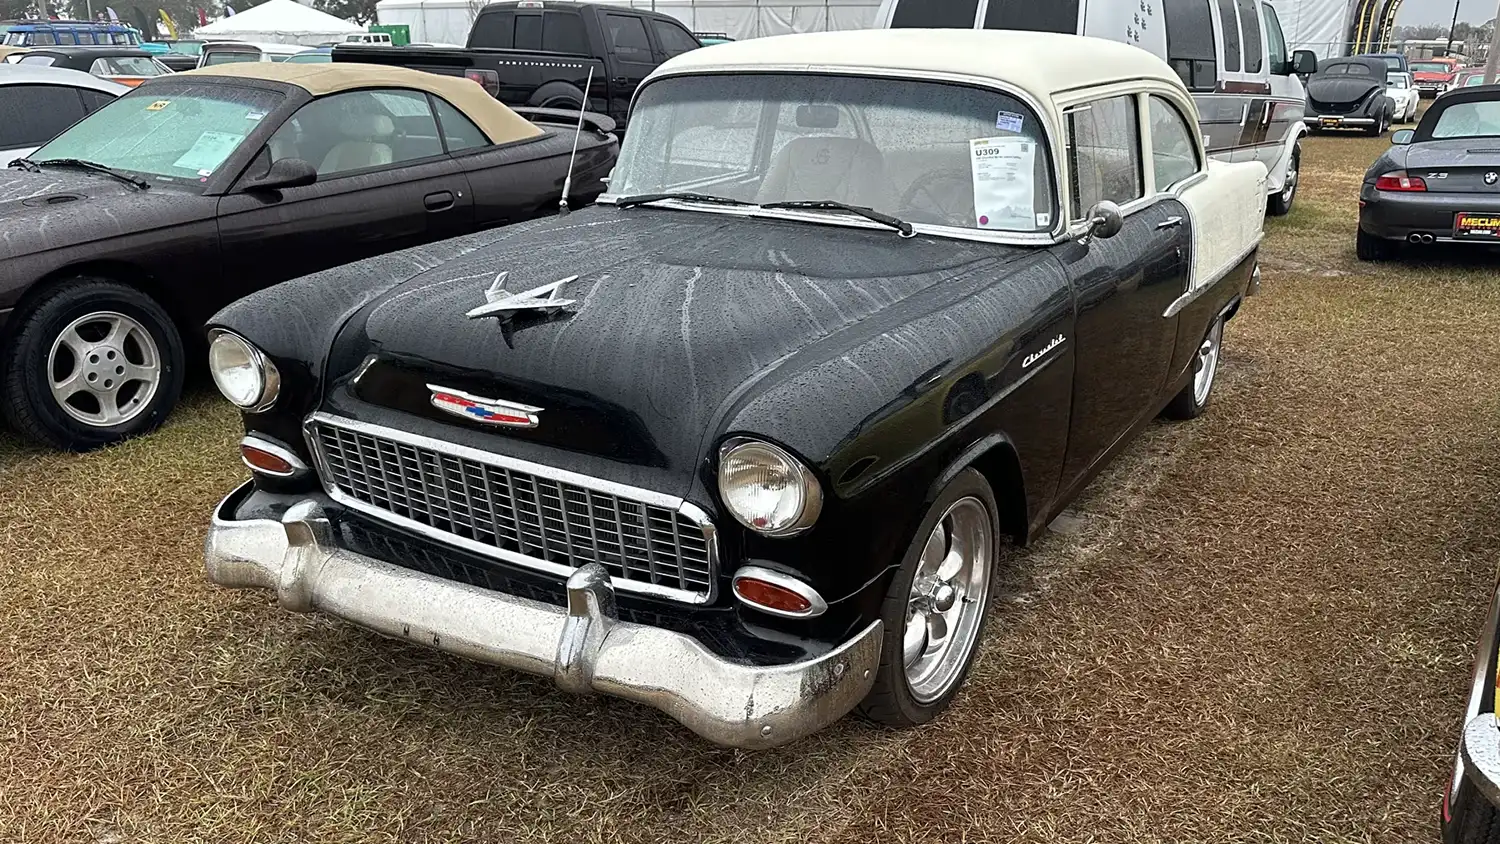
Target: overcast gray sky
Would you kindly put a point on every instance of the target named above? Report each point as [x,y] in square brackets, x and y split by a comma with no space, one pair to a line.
[1418,12]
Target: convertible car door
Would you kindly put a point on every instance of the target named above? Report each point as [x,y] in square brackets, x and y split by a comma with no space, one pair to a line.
[384,183]
[1123,284]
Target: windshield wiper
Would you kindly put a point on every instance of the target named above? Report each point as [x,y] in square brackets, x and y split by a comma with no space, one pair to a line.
[643,198]
[830,205]
[25,164]
[95,167]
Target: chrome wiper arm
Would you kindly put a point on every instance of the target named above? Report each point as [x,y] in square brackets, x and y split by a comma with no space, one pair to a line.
[830,205]
[643,198]
[96,167]
[25,164]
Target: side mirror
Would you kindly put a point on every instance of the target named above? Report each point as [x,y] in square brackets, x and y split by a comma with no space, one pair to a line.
[1304,62]
[1105,220]
[286,173]
[1402,137]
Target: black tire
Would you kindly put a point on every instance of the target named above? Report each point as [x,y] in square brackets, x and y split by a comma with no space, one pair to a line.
[1189,403]
[1281,204]
[1381,123]
[29,405]
[1473,818]
[1368,247]
[890,702]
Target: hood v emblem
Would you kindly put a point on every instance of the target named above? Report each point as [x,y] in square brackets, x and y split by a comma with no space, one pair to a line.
[499,303]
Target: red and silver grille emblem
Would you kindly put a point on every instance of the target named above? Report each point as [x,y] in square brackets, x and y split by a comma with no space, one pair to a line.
[489,411]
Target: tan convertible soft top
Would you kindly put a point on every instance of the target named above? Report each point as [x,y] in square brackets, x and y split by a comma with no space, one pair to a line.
[499,123]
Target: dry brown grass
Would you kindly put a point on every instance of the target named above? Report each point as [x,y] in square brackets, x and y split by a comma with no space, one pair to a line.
[1260,631]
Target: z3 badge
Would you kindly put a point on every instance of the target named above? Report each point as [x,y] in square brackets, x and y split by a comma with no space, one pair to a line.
[1042,352]
[489,411]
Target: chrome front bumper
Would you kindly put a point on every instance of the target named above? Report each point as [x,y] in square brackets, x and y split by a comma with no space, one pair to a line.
[583,646]
[1481,755]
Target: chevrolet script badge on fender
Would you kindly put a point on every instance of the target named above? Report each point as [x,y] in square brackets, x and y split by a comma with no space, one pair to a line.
[488,411]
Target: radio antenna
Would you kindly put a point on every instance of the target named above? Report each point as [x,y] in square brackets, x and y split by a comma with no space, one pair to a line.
[562,205]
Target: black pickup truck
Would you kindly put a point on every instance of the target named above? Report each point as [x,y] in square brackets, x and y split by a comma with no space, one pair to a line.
[539,52]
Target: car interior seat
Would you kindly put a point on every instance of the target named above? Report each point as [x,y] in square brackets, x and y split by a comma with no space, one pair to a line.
[820,167]
[366,143]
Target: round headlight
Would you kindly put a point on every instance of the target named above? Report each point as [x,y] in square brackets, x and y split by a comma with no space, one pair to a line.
[767,490]
[242,373]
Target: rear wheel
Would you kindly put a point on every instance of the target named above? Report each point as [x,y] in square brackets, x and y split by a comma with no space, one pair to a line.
[1368,247]
[1193,400]
[1281,204]
[1381,124]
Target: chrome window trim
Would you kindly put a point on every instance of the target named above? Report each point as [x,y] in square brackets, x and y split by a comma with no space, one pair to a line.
[275,449]
[677,505]
[817,606]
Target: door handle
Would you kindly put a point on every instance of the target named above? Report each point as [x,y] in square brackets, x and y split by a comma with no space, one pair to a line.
[440,201]
[1169,223]
[619,80]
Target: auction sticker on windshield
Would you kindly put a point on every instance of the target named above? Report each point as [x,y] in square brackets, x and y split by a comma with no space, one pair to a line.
[158,105]
[209,151]
[1004,191]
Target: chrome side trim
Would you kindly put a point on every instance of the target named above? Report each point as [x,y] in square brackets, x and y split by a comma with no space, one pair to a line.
[679,505]
[584,646]
[817,606]
[1189,297]
[275,449]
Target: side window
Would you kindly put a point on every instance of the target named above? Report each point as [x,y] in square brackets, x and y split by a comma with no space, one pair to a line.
[65,36]
[529,32]
[1032,16]
[1104,153]
[495,29]
[44,61]
[1190,42]
[1231,36]
[31,115]
[94,100]
[627,37]
[42,39]
[359,130]
[562,32]
[459,132]
[1250,26]
[945,14]
[1276,43]
[1173,155]
[674,39]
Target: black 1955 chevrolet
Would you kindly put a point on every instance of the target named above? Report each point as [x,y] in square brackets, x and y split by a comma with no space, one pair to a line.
[741,442]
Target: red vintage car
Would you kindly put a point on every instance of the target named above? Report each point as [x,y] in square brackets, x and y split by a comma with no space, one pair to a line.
[1434,76]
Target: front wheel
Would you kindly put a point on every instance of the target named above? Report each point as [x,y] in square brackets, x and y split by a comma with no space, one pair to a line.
[1193,399]
[1281,204]
[934,609]
[94,362]
[1473,819]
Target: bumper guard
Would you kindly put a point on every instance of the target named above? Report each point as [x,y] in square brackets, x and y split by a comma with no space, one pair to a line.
[583,646]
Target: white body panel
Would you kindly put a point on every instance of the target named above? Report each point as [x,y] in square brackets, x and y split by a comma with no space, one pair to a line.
[1228,210]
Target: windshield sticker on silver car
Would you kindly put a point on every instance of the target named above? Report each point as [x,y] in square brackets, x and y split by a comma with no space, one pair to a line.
[1003,171]
[1038,355]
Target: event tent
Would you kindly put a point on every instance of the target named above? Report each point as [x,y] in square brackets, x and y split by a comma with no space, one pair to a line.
[279,22]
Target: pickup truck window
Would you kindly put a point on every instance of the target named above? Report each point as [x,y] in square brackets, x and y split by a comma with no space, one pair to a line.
[1190,42]
[562,32]
[1173,155]
[945,14]
[359,130]
[494,30]
[528,32]
[674,39]
[627,37]
[925,152]
[1231,36]
[1104,149]
[1250,29]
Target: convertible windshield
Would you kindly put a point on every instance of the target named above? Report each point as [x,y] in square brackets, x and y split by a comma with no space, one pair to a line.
[921,152]
[175,132]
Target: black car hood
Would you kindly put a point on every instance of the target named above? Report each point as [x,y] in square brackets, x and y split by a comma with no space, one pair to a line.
[678,314]
[1341,89]
[41,211]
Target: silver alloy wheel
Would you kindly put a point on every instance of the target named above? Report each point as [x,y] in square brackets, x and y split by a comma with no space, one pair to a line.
[1289,187]
[946,603]
[1208,363]
[104,369]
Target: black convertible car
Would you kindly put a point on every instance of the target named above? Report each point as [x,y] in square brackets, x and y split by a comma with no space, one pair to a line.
[1438,183]
[741,442]
[125,232]
[1349,94]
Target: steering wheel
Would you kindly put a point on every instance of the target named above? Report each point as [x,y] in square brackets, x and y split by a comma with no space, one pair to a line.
[941,197]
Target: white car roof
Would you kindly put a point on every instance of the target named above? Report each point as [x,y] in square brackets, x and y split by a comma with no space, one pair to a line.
[35,74]
[1039,63]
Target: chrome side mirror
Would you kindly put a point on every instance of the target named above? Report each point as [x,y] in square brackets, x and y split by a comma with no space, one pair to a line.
[1105,221]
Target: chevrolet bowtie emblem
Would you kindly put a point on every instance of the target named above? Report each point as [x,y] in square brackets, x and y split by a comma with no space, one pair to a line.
[499,303]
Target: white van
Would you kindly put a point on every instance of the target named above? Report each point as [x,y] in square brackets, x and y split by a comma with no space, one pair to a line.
[383,38]
[1230,53]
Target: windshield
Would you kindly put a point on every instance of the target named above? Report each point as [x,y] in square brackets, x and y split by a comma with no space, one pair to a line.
[125,66]
[1395,80]
[176,132]
[229,57]
[187,48]
[1469,120]
[924,152]
[1430,67]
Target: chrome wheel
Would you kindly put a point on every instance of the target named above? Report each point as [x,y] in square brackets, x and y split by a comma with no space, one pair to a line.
[1208,363]
[104,369]
[1289,187]
[947,599]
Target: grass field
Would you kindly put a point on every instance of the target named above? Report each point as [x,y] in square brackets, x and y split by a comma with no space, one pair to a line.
[1257,626]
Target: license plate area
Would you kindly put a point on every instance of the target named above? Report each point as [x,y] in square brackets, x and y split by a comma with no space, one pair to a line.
[1332,122]
[1471,226]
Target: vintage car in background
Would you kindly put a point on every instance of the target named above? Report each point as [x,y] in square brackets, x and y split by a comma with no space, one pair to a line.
[742,441]
[1471,803]
[128,66]
[1435,76]
[1350,94]
[1438,183]
[36,103]
[1406,100]
[129,229]
[1466,79]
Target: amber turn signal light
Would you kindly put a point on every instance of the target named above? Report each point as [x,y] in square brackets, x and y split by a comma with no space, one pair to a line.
[264,461]
[776,593]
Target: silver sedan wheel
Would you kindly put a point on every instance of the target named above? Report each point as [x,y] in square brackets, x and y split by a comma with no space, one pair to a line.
[1208,363]
[104,369]
[947,599]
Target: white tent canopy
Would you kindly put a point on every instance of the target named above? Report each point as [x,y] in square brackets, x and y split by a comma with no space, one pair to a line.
[1318,25]
[279,22]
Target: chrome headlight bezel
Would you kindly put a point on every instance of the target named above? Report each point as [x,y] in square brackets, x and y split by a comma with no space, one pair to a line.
[808,490]
[268,377]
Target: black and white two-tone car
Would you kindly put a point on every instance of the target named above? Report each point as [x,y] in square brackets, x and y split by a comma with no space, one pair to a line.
[742,441]
[1438,183]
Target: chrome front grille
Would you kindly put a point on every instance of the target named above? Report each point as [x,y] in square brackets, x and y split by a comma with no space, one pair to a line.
[521,512]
